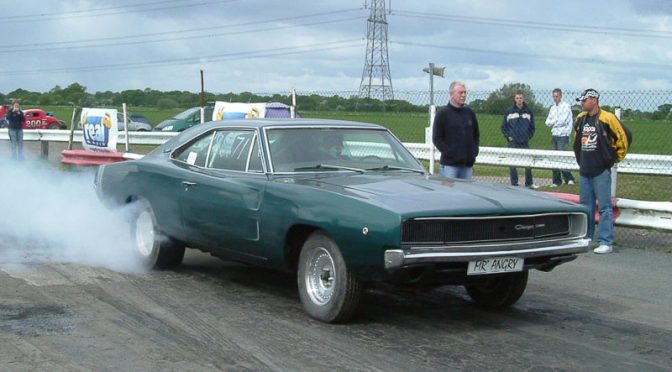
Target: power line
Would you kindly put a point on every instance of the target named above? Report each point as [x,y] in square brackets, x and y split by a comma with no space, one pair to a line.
[539,56]
[108,11]
[633,32]
[282,19]
[137,42]
[262,53]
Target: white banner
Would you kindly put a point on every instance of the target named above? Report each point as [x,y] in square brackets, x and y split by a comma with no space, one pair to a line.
[235,110]
[99,129]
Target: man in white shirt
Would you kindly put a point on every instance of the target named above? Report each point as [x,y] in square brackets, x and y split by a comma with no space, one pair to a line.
[560,121]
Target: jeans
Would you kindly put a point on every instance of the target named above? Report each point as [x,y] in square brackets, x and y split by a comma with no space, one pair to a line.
[561,143]
[16,137]
[513,172]
[598,189]
[452,171]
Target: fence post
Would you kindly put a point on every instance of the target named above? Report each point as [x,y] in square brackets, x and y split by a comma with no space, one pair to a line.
[614,172]
[292,108]
[123,106]
[432,150]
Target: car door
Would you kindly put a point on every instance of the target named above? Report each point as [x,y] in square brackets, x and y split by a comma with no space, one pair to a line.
[221,201]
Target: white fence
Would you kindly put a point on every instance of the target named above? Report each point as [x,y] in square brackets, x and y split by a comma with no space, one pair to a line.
[633,212]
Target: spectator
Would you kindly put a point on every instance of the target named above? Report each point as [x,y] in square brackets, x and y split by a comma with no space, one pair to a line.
[518,129]
[16,118]
[455,133]
[593,127]
[560,121]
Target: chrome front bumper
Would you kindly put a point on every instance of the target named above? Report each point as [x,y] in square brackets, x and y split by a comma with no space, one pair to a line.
[395,258]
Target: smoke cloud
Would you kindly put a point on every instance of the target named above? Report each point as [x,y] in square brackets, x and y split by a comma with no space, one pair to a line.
[51,215]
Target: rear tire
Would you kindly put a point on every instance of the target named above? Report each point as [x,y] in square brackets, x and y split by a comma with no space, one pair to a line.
[329,291]
[500,291]
[149,245]
[54,126]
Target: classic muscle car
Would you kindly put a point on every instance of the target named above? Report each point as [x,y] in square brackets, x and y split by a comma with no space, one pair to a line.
[341,204]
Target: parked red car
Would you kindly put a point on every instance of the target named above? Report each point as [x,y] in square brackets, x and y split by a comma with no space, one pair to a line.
[35,119]
[40,119]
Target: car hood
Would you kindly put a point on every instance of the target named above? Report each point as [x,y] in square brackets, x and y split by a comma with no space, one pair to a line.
[416,195]
[167,122]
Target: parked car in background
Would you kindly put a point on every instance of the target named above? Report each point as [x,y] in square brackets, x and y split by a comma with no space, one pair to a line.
[4,109]
[139,118]
[40,119]
[185,119]
[340,204]
[133,125]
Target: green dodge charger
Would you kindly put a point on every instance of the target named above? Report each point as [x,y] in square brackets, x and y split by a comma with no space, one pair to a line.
[341,204]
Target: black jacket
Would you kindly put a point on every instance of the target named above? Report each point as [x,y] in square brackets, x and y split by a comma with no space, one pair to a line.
[15,119]
[456,135]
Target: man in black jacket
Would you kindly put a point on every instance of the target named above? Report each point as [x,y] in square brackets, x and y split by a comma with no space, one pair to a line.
[15,118]
[518,129]
[455,133]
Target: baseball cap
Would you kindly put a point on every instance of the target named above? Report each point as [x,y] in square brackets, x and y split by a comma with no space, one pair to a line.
[588,93]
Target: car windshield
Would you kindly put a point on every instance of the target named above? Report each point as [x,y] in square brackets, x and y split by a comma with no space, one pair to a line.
[188,113]
[338,149]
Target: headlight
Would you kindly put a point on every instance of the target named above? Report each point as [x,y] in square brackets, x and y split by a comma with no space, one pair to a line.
[167,129]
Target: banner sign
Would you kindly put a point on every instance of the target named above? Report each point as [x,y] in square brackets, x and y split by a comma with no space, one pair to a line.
[99,129]
[235,110]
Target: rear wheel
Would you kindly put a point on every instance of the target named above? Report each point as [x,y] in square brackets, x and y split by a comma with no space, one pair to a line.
[149,245]
[54,126]
[499,291]
[329,291]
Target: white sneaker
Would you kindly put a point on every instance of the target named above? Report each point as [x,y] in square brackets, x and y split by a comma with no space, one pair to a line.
[553,185]
[570,182]
[603,249]
[533,187]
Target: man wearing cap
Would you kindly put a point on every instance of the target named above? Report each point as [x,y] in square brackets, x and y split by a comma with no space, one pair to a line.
[592,149]
[560,121]
[518,129]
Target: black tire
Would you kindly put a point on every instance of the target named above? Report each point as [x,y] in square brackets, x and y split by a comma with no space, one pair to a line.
[54,126]
[499,291]
[155,250]
[332,294]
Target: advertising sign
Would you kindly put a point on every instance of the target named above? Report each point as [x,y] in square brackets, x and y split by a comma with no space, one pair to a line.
[99,129]
[235,110]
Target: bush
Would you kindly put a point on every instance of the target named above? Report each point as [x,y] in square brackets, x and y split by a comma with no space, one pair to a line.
[166,103]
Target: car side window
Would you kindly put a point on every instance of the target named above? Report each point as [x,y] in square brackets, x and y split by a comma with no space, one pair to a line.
[255,158]
[230,149]
[196,153]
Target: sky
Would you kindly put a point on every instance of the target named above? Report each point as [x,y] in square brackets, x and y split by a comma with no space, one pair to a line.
[265,46]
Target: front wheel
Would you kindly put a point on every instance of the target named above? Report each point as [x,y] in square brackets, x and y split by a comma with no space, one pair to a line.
[329,291]
[499,291]
[149,245]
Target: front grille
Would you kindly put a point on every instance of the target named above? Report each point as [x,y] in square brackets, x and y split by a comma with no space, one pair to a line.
[485,229]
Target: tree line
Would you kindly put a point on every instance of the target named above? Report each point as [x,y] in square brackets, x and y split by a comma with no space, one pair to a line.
[496,103]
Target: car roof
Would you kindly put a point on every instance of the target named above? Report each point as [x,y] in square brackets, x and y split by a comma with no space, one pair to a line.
[284,122]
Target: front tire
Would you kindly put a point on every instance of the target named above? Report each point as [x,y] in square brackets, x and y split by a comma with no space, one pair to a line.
[500,291]
[329,291]
[152,248]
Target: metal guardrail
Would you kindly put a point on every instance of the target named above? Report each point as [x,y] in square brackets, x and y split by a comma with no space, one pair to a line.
[499,156]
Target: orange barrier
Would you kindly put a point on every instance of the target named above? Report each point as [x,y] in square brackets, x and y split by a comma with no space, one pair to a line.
[85,157]
[577,199]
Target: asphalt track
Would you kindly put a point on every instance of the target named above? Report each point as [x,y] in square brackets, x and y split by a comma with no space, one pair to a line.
[608,312]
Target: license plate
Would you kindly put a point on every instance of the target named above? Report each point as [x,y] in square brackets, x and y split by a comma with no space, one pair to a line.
[495,265]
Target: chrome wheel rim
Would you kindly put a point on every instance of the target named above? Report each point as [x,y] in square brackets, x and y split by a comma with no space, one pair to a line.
[144,233]
[320,276]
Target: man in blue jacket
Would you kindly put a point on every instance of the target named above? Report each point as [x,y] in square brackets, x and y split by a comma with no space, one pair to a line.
[518,129]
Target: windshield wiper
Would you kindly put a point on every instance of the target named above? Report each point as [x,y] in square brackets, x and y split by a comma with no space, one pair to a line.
[387,167]
[329,167]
